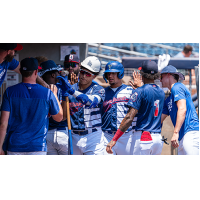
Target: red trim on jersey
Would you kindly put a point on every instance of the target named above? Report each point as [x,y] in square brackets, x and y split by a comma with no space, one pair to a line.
[118,134]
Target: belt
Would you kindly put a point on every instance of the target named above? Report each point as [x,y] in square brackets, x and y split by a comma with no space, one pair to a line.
[110,132]
[85,132]
[150,132]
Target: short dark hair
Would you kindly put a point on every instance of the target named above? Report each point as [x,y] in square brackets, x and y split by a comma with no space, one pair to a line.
[187,48]
[176,77]
[26,73]
[95,73]
[150,76]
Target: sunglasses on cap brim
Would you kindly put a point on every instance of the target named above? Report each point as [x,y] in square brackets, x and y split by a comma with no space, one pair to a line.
[86,73]
[70,64]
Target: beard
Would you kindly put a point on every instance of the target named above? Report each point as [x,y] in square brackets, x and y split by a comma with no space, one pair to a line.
[75,72]
[9,58]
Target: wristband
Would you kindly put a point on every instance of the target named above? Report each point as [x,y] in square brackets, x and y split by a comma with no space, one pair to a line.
[117,135]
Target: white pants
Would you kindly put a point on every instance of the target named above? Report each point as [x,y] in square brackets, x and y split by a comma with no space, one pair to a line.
[153,147]
[123,145]
[90,144]
[57,142]
[27,153]
[189,144]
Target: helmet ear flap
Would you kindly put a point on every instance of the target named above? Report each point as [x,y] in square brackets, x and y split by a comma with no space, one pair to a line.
[121,74]
[105,77]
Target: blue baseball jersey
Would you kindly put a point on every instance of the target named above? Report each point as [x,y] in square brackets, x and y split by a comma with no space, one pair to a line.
[29,105]
[149,101]
[115,108]
[4,66]
[178,92]
[82,117]
[54,124]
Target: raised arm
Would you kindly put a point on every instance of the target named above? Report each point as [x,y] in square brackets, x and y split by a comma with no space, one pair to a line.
[126,122]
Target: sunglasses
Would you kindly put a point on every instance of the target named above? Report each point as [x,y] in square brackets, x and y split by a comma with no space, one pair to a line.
[72,64]
[88,74]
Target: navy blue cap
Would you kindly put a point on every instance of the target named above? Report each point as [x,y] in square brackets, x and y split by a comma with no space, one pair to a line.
[11,46]
[49,65]
[172,70]
[149,67]
[29,64]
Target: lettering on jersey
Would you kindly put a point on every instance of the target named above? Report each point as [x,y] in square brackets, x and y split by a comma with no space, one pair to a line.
[176,95]
[108,104]
[170,105]
[74,107]
[2,73]
[156,104]
[134,96]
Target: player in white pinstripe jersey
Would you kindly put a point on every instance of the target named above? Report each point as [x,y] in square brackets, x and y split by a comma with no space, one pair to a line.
[86,98]
[115,109]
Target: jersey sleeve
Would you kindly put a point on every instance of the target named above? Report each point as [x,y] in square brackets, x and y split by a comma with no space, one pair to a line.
[178,92]
[13,64]
[99,91]
[6,103]
[53,105]
[135,99]
[165,108]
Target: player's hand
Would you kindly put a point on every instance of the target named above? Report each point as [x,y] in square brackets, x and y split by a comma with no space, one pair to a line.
[2,152]
[74,78]
[54,89]
[137,78]
[65,85]
[109,146]
[174,140]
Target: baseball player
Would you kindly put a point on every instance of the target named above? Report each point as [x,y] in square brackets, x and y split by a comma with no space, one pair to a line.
[24,113]
[57,136]
[180,107]
[86,99]
[147,102]
[7,61]
[115,109]
[72,65]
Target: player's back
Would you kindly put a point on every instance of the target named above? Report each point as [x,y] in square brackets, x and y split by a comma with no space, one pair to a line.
[28,105]
[149,101]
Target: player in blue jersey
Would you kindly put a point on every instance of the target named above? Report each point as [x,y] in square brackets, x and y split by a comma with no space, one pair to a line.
[147,102]
[86,100]
[24,113]
[7,61]
[57,136]
[115,109]
[181,109]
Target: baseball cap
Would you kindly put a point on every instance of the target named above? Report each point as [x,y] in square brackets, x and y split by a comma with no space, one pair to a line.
[172,70]
[149,67]
[29,64]
[72,58]
[49,65]
[11,46]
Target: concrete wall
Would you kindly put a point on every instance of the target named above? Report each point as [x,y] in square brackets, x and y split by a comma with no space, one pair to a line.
[49,50]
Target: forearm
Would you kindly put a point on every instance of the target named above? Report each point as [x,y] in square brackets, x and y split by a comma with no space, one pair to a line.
[2,134]
[128,119]
[179,120]
[40,81]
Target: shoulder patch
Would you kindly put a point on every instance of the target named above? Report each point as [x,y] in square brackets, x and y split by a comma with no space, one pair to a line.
[101,91]
[134,96]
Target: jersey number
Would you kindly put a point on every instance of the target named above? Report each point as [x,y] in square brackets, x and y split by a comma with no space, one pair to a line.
[156,104]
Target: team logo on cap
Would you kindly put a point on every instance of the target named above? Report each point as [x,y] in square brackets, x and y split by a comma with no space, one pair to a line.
[71,57]
[24,68]
[109,66]
[90,63]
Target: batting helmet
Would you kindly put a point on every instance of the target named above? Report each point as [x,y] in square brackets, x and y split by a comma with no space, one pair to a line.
[92,63]
[114,66]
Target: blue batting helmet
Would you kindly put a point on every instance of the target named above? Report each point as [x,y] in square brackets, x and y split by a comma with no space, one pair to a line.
[114,66]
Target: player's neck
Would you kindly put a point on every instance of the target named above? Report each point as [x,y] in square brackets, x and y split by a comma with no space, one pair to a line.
[31,80]
[148,81]
[116,85]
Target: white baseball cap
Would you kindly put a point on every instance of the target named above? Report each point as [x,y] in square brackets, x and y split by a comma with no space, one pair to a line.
[92,63]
